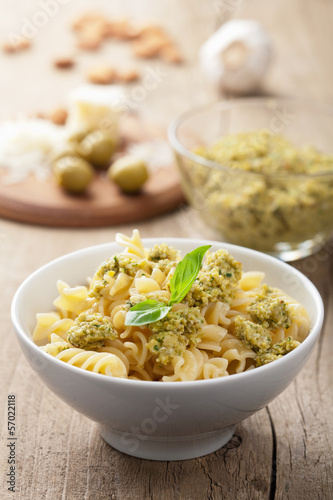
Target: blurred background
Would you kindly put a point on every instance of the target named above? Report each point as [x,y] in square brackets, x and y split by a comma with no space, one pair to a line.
[167,57]
[299,30]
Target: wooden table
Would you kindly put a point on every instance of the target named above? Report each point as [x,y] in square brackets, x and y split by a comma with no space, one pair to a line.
[282,452]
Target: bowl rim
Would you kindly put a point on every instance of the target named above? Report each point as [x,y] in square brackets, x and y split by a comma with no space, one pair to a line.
[266,102]
[312,336]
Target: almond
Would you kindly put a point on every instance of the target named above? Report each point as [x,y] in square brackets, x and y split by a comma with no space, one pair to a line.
[102,74]
[58,116]
[152,29]
[148,46]
[21,44]
[64,62]
[86,20]
[127,75]
[121,29]
[171,53]
[90,38]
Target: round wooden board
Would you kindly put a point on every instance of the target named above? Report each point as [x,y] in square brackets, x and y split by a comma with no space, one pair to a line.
[44,203]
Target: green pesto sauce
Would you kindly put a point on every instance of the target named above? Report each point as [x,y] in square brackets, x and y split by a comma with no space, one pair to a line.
[90,331]
[259,211]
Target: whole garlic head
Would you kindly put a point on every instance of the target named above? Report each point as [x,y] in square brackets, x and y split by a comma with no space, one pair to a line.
[236,57]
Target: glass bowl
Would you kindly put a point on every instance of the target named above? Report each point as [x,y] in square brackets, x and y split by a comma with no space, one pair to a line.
[288,215]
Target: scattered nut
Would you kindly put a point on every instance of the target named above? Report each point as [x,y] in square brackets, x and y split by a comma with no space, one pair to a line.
[63,62]
[127,75]
[8,47]
[121,29]
[90,38]
[58,116]
[91,28]
[153,29]
[149,46]
[147,41]
[153,41]
[171,53]
[20,44]
[87,19]
[102,74]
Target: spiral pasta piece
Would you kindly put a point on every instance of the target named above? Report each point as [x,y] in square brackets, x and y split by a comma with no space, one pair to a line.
[212,336]
[97,362]
[48,323]
[133,244]
[215,313]
[72,300]
[215,367]
[136,350]
[187,367]
[236,353]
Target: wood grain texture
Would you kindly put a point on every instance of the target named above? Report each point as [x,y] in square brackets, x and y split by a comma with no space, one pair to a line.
[283,452]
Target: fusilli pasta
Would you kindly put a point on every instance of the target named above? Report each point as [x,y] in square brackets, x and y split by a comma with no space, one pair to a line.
[228,322]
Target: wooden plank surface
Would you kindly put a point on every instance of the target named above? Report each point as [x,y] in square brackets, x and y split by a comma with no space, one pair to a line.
[284,451]
[103,204]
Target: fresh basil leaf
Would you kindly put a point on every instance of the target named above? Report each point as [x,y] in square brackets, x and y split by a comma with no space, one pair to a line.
[185,274]
[146,312]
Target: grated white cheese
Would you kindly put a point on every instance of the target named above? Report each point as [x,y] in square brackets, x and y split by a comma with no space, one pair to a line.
[26,146]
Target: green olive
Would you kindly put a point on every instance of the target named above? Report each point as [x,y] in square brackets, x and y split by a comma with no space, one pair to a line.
[73,173]
[80,135]
[69,150]
[129,173]
[97,147]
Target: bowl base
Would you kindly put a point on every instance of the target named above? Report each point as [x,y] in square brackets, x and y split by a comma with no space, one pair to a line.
[289,253]
[162,448]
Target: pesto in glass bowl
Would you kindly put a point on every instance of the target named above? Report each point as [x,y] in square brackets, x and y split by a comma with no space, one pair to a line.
[260,172]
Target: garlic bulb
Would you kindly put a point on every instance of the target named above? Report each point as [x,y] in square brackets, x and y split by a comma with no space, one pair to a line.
[236,57]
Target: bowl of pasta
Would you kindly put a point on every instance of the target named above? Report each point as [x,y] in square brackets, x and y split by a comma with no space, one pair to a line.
[167,343]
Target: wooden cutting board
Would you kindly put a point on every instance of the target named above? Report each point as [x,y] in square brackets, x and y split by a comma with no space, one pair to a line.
[45,203]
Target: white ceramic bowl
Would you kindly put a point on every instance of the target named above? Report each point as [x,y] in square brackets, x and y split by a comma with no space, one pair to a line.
[162,420]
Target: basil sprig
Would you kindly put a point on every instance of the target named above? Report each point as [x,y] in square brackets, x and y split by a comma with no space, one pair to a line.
[186,272]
